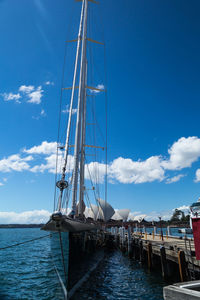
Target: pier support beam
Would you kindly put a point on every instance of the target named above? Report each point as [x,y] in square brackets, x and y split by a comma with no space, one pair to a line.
[149,255]
[141,251]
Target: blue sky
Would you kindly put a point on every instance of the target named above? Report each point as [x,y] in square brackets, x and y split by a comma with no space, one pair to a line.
[152,66]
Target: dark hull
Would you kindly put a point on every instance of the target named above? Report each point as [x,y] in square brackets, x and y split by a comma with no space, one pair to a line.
[66,224]
[79,255]
[77,247]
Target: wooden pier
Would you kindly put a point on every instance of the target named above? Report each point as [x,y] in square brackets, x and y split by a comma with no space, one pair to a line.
[173,256]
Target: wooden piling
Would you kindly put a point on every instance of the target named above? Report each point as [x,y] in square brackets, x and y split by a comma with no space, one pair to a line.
[141,251]
[182,265]
[164,265]
[149,255]
[169,255]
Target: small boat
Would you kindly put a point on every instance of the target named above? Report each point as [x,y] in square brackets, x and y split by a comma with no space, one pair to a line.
[185,230]
[184,291]
[195,209]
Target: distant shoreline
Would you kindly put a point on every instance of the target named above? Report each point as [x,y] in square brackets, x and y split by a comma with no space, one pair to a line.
[5,226]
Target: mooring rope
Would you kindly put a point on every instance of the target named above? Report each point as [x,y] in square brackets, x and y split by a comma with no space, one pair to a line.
[55,268]
[63,259]
[64,288]
[25,242]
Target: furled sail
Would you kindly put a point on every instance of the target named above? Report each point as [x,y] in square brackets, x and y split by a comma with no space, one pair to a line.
[106,208]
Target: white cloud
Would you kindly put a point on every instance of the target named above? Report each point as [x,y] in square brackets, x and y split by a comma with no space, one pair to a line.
[42,113]
[154,215]
[3,181]
[166,214]
[50,164]
[14,163]
[184,208]
[44,148]
[49,83]
[26,88]
[183,153]
[35,96]
[132,215]
[26,217]
[100,87]
[126,170]
[95,171]
[174,179]
[197,179]
[66,110]
[11,97]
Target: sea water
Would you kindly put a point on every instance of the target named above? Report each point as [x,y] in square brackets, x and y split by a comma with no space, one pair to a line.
[27,272]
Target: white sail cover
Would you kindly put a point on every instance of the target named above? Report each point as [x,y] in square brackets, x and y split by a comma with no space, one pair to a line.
[106,208]
[124,214]
[116,216]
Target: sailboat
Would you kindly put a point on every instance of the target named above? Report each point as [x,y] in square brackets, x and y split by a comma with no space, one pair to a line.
[79,239]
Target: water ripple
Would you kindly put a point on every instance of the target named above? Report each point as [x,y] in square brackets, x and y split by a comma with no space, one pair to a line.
[120,278]
[27,272]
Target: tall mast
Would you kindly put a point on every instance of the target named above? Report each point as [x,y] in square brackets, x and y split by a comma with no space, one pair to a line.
[81,94]
[62,185]
[82,160]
